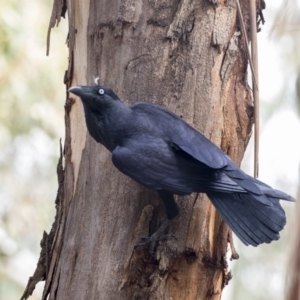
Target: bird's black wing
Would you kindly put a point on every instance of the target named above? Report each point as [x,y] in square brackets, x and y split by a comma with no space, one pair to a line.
[189,140]
[182,135]
[154,163]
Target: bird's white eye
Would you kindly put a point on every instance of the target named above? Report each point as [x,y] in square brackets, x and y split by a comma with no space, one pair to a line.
[101,91]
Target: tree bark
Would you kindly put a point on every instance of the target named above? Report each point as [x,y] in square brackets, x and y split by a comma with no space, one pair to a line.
[188,56]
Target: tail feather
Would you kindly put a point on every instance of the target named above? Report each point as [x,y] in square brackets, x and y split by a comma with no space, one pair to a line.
[260,232]
[252,221]
[260,190]
[235,223]
[270,192]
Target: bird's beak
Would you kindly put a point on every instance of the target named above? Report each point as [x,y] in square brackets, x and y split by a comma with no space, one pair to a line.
[77,90]
[81,91]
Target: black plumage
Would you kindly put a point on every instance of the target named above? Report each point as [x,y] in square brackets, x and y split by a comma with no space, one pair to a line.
[161,151]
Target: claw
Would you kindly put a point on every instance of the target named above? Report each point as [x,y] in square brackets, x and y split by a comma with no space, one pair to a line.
[159,235]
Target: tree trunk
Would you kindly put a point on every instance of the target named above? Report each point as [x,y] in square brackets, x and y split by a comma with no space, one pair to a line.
[188,56]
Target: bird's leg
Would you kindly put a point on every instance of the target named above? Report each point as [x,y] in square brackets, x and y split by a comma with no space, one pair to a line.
[172,212]
[169,203]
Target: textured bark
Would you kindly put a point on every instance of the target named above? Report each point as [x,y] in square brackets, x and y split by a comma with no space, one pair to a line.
[188,56]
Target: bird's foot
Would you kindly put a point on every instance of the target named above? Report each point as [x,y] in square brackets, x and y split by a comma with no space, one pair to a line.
[159,235]
[146,241]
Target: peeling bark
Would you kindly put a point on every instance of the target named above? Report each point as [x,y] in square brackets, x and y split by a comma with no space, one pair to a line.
[185,55]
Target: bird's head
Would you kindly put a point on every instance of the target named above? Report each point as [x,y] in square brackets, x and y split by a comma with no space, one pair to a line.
[95,97]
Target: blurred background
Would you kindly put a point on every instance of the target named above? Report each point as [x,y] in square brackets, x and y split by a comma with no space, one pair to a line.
[32,101]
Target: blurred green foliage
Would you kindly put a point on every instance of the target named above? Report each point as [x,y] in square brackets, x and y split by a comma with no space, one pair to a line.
[32,100]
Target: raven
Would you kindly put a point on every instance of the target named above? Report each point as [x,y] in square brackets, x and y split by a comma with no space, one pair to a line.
[158,149]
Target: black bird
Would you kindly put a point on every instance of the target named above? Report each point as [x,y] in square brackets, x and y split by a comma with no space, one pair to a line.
[161,151]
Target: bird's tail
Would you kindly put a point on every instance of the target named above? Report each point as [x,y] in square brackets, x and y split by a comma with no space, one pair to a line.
[251,220]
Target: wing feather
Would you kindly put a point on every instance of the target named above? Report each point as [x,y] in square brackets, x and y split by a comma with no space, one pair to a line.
[184,136]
